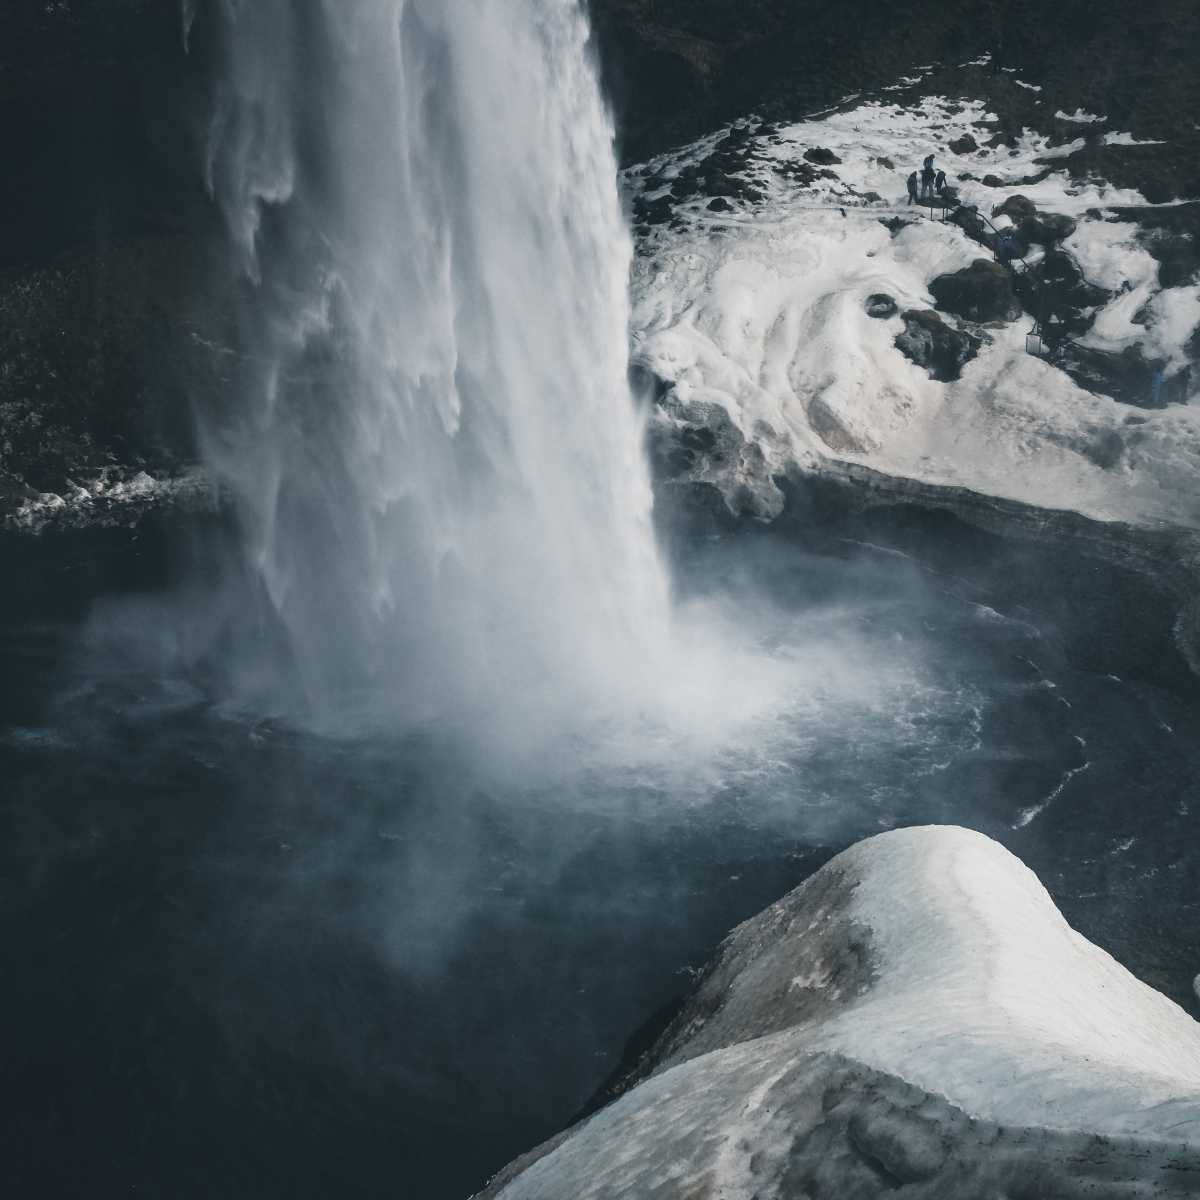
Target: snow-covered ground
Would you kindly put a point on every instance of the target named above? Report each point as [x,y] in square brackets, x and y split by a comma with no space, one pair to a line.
[762,310]
[919,1002]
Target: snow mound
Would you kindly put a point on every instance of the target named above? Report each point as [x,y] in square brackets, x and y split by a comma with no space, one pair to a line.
[759,307]
[917,1013]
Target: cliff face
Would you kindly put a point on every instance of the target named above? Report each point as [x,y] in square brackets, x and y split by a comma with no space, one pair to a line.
[681,68]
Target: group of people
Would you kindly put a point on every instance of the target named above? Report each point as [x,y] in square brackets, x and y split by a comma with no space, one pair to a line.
[930,183]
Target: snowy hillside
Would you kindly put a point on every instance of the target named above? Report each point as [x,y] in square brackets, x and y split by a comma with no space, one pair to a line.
[918,1012]
[753,296]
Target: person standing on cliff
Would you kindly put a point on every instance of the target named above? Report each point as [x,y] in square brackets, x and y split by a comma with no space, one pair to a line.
[928,174]
[912,188]
[939,182]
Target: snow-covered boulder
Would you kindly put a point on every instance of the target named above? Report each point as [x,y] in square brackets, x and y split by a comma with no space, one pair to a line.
[917,1016]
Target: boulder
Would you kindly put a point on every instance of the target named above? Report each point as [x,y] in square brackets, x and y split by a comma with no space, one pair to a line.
[930,343]
[964,145]
[823,158]
[1033,226]
[881,305]
[1016,208]
[917,1018]
[992,181]
[980,292]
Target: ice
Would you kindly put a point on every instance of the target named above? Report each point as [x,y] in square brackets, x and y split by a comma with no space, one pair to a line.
[762,310]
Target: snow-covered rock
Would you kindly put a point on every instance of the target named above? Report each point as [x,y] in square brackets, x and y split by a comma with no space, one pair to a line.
[916,1015]
[760,308]
[114,498]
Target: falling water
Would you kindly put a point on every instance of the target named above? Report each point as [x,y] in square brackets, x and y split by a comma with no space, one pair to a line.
[430,437]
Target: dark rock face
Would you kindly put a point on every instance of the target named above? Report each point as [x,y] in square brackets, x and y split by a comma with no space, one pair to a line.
[930,343]
[678,69]
[824,158]
[964,145]
[881,305]
[1172,236]
[981,292]
[1128,376]
[91,345]
[700,458]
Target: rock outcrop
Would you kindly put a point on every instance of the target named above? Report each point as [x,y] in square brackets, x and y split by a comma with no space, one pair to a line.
[930,343]
[917,1015]
[980,292]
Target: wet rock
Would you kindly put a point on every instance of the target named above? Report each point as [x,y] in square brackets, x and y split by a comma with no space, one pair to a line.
[1128,377]
[881,305]
[1016,208]
[964,145]
[980,292]
[1046,228]
[91,346]
[992,181]
[886,162]
[930,343]
[652,212]
[719,204]
[823,158]
[695,445]
[1172,236]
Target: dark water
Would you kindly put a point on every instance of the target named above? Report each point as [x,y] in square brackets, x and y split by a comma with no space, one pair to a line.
[244,960]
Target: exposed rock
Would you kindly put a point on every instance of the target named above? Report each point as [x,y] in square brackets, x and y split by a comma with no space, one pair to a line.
[823,158]
[90,346]
[980,292]
[881,305]
[964,145]
[1128,376]
[992,181]
[696,444]
[1172,236]
[1017,208]
[930,343]
[886,162]
[917,1015]
[1046,228]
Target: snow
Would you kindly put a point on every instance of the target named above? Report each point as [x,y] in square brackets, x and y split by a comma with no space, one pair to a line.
[980,994]
[761,310]
[987,996]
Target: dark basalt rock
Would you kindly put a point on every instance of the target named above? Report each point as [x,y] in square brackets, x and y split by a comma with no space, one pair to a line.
[992,181]
[930,343]
[980,292]
[881,305]
[1172,236]
[1128,377]
[1017,208]
[719,204]
[963,145]
[823,158]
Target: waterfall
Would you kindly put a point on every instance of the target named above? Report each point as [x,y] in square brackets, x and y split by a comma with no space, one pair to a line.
[428,430]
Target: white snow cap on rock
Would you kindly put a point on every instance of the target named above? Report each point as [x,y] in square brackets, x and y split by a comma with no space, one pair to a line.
[955,1035]
[987,996]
